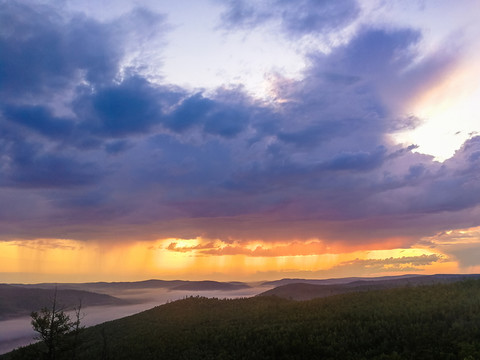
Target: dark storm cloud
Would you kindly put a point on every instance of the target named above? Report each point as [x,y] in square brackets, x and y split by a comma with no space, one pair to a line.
[39,119]
[190,112]
[384,65]
[313,135]
[296,18]
[31,166]
[49,60]
[131,107]
[40,51]
[226,114]
[456,185]
[360,161]
[375,52]
[340,105]
[116,147]
[132,159]
[45,56]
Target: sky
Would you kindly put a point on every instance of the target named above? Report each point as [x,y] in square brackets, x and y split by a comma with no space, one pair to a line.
[238,140]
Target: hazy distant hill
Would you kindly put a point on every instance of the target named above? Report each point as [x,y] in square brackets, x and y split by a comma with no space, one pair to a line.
[334,280]
[438,321]
[18,300]
[309,289]
[211,285]
[124,285]
[146,284]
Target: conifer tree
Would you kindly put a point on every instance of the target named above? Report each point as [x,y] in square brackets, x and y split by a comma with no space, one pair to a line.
[52,325]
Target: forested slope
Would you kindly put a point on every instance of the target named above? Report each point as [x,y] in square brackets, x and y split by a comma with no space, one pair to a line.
[439,321]
[310,289]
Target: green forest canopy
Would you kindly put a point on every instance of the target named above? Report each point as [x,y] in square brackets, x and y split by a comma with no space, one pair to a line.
[440,321]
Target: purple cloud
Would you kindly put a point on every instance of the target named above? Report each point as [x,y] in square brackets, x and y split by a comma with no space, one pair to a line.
[133,158]
[296,18]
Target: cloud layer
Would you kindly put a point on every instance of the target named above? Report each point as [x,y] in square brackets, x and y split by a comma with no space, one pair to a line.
[93,149]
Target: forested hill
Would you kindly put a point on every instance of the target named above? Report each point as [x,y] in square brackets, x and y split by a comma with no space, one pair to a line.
[298,289]
[438,321]
[19,301]
[211,285]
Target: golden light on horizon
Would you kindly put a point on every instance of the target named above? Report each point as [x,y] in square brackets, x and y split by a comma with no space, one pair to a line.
[90,261]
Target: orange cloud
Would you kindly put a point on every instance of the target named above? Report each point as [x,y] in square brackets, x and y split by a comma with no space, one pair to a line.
[266,249]
[174,246]
[221,248]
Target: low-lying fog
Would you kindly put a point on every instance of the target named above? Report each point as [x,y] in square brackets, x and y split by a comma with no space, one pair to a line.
[18,332]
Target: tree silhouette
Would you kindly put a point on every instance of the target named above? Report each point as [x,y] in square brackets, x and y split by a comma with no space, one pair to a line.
[76,327]
[52,326]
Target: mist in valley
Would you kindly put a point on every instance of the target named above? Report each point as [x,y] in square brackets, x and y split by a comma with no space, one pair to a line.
[18,331]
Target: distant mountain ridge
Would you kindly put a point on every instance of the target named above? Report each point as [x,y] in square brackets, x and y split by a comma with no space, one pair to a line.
[19,301]
[203,285]
[299,289]
[211,285]
[332,281]
[121,285]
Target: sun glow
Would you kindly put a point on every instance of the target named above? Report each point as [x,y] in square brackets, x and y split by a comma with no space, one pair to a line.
[449,111]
